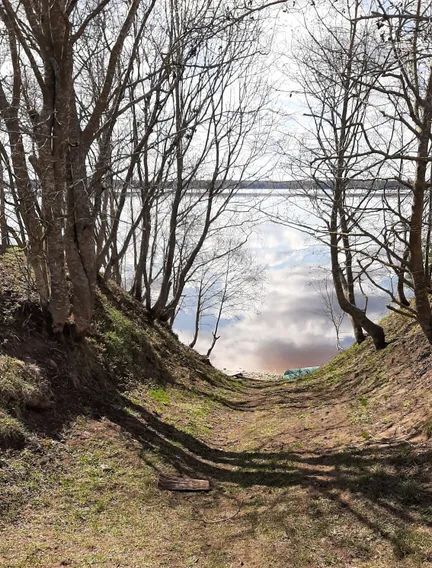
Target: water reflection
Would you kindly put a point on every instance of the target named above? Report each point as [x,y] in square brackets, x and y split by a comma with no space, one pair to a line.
[288,327]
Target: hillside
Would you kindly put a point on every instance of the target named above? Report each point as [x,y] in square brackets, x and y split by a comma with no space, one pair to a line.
[333,470]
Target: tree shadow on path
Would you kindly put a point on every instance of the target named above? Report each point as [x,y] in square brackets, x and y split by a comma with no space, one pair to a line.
[384,487]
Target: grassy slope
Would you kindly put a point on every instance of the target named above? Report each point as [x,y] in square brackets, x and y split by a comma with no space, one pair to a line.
[334,470]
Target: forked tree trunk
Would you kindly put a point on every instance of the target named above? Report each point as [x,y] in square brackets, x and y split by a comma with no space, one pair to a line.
[359,316]
[344,287]
[77,245]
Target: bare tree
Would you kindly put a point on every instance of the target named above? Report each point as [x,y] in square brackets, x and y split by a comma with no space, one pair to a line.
[193,131]
[225,285]
[104,102]
[331,308]
[332,60]
[47,109]
[405,82]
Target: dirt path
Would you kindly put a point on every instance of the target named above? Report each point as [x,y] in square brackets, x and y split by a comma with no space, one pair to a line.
[296,483]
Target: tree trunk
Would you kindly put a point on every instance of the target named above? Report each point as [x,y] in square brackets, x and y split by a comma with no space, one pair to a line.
[358,331]
[401,279]
[80,243]
[416,264]
[358,315]
[349,279]
[52,209]
[27,204]
[4,233]
[197,318]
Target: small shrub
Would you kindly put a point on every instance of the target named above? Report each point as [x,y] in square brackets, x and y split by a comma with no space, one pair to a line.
[12,431]
[363,401]
[22,385]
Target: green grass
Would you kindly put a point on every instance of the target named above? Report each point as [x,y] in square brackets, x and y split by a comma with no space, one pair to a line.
[129,348]
[160,395]
[336,369]
[197,412]
[99,499]
[123,338]
[185,410]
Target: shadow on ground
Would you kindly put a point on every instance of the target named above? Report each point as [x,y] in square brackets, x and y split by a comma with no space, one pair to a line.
[385,487]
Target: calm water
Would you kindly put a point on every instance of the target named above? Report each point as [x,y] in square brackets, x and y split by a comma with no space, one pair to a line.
[287,325]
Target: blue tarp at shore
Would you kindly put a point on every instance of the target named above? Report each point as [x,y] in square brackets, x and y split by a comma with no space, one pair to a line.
[293,374]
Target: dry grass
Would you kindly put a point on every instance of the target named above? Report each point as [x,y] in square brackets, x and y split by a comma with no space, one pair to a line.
[22,384]
[92,498]
[22,387]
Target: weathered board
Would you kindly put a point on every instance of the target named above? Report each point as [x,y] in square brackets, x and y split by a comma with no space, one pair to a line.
[172,483]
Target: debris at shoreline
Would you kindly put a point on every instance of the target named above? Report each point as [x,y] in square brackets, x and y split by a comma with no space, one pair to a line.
[258,375]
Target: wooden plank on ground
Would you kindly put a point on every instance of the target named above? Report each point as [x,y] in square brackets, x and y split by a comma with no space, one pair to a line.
[173,483]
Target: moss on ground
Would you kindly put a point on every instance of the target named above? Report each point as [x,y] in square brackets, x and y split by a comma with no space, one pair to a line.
[122,339]
[160,395]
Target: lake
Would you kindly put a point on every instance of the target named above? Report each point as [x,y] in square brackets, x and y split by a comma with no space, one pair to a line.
[286,325]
